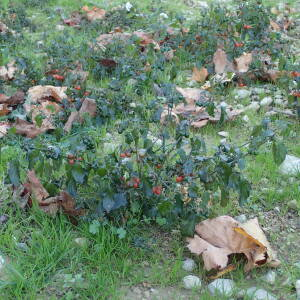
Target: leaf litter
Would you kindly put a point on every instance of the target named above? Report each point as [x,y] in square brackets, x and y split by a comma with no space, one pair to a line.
[217,238]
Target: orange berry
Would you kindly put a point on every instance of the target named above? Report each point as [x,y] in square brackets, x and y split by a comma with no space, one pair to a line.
[58,77]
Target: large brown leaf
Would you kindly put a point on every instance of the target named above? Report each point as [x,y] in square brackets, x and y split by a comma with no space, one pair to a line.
[242,63]
[28,129]
[94,13]
[88,106]
[217,238]
[7,72]
[199,75]
[221,62]
[42,93]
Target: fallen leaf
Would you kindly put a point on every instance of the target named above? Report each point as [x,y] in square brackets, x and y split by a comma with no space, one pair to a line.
[7,72]
[41,93]
[35,188]
[26,128]
[243,62]
[50,205]
[274,26]
[4,110]
[217,238]
[221,62]
[108,63]
[199,75]
[94,13]
[74,20]
[14,100]
[3,28]
[88,106]
[4,126]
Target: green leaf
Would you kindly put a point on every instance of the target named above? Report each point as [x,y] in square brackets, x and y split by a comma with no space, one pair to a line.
[164,207]
[121,232]
[224,196]
[14,172]
[244,191]
[78,173]
[108,204]
[279,152]
[94,227]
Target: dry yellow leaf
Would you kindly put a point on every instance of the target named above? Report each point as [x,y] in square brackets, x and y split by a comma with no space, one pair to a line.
[199,75]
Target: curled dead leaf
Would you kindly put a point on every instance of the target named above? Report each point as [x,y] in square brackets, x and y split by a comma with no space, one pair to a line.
[199,75]
[41,93]
[243,62]
[7,72]
[27,129]
[222,64]
[88,106]
[217,238]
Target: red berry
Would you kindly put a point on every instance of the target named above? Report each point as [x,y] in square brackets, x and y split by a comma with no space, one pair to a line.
[71,161]
[77,87]
[123,155]
[58,77]
[158,166]
[295,74]
[239,45]
[157,190]
[135,185]
[137,180]
[179,178]
[242,84]
[247,26]
[128,154]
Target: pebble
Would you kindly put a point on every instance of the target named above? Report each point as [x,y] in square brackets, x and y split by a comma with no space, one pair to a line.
[189,265]
[278,101]
[223,104]
[223,133]
[221,286]
[246,119]
[290,166]
[60,27]
[191,282]
[293,204]
[270,277]
[297,286]
[242,93]
[81,242]
[266,101]
[3,219]
[22,246]
[241,218]
[259,294]
[276,208]
[253,106]
[259,91]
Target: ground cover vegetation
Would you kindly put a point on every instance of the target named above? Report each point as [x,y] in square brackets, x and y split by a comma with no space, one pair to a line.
[115,119]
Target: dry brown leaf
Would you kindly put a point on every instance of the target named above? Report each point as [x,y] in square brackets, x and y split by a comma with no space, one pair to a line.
[74,20]
[217,238]
[145,38]
[243,62]
[191,95]
[274,26]
[28,129]
[35,188]
[3,28]
[199,75]
[222,64]
[94,13]
[4,110]
[88,106]
[4,126]
[41,93]
[7,72]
